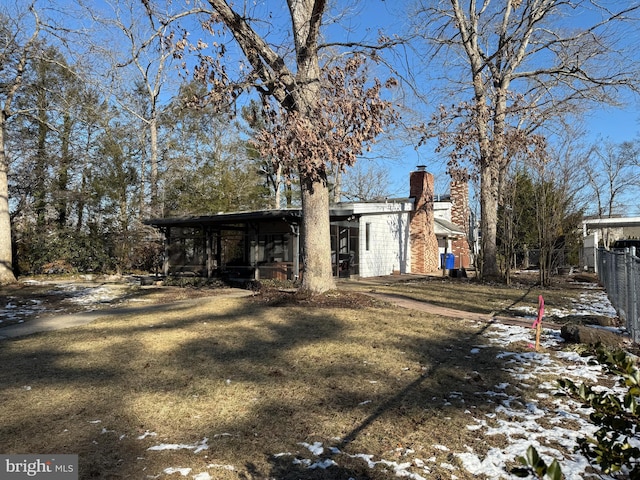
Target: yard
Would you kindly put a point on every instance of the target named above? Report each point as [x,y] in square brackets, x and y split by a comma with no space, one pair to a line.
[275,385]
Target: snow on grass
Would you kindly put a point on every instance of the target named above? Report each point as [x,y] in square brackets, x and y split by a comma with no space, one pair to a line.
[18,312]
[593,301]
[552,427]
[182,471]
[90,295]
[196,447]
[552,430]
[86,297]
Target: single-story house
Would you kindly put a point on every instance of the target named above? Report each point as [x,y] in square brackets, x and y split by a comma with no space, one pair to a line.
[368,239]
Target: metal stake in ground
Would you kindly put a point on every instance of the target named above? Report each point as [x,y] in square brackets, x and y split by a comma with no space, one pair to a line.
[538,323]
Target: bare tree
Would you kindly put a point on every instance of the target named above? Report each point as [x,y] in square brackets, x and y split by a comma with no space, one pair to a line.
[16,49]
[366,183]
[524,68]
[138,54]
[287,75]
[612,172]
[557,180]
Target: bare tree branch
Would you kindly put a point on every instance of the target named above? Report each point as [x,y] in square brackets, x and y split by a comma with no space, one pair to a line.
[526,72]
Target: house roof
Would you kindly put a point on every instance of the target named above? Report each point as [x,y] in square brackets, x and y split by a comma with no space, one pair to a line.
[293,215]
[234,218]
[611,222]
[444,228]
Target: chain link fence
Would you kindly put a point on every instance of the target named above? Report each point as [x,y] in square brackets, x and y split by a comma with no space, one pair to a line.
[619,273]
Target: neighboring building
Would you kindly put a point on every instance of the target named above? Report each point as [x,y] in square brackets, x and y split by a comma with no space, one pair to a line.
[604,232]
[368,239]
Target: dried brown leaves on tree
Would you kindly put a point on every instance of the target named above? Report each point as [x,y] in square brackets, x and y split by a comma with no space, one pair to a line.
[344,123]
[288,77]
[456,131]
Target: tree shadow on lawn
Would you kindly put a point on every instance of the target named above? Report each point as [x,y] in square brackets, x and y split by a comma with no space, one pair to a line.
[93,390]
[413,416]
[362,386]
[470,295]
[256,381]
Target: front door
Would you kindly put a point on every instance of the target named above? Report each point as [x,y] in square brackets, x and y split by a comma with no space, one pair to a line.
[344,249]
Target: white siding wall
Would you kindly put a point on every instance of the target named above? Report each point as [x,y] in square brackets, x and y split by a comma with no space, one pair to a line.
[389,248]
[442,210]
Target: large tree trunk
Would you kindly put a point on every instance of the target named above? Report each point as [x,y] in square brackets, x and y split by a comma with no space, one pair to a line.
[6,254]
[153,178]
[316,244]
[489,220]
[318,273]
[493,170]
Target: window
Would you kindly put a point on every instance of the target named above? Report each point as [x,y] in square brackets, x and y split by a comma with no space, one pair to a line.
[367,235]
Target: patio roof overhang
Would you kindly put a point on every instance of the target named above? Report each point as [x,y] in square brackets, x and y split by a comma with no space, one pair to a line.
[222,220]
[231,220]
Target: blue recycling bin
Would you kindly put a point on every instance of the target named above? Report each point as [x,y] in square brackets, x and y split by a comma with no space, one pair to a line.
[447,261]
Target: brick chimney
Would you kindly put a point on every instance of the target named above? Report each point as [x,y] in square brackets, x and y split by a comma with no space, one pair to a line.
[424,244]
[460,216]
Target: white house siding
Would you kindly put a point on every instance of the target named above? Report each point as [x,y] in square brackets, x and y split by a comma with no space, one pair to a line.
[442,210]
[444,246]
[389,249]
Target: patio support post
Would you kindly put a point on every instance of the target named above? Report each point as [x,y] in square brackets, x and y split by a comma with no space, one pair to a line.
[167,242]
[295,229]
[595,251]
[209,250]
[254,263]
[219,250]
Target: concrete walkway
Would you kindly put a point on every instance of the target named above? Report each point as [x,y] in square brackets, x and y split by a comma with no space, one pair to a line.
[50,322]
[418,305]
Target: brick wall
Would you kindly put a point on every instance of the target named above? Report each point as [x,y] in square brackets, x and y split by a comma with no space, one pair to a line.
[424,244]
[460,216]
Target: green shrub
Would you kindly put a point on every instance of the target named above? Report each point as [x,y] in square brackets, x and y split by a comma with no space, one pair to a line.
[536,466]
[617,416]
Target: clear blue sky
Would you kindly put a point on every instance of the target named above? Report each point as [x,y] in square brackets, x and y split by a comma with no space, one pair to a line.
[605,123]
[365,19]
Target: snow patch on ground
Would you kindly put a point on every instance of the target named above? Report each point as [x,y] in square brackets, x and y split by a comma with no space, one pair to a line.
[523,422]
[81,296]
[593,301]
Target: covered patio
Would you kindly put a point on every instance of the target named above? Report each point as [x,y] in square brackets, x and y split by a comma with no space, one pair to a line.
[250,245]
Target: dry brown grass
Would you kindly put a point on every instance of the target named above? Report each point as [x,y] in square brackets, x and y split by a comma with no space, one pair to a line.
[255,377]
[473,296]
